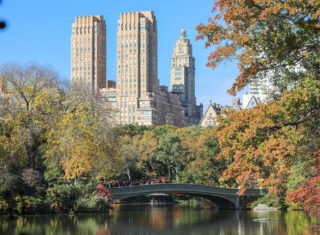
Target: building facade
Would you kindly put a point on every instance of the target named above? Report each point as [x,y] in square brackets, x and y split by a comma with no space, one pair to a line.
[88,52]
[182,77]
[211,115]
[138,97]
[236,104]
[259,89]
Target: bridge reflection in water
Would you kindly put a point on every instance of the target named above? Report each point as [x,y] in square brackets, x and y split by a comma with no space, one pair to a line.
[224,198]
[166,220]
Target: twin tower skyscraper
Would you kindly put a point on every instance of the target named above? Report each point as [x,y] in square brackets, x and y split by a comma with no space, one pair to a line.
[136,97]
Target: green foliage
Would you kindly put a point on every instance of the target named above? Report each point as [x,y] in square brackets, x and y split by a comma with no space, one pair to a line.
[33,182]
[270,200]
[168,152]
[30,205]
[162,130]
[9,183]
[54,174]
[50,139]
[131,130]
[62,198]
[76,199]
[4,206]
[91,203]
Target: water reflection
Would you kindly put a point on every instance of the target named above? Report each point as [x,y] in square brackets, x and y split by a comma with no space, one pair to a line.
[160,220]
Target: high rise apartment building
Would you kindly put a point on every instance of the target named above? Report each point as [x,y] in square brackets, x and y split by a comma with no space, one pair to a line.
[258,92]
[88,52]
[182,78]
[137,53]
[136,97]
[137,75]
[140,99]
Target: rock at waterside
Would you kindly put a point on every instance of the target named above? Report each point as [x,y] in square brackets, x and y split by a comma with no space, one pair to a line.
[264,220]
[264,207]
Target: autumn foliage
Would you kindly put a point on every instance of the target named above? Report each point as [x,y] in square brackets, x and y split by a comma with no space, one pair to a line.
[263,145]
[272,144]
[263,36]
[308,194]
[103,191]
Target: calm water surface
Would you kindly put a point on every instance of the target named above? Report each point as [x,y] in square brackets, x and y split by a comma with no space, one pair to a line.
[160,220]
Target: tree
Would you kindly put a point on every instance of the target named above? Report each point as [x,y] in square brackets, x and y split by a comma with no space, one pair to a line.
[33,182]
[129,154]
[30,104]
[265,37]
[147,145]
[169,153]
[308,194]
[82,142]
[263,144]
[200,158]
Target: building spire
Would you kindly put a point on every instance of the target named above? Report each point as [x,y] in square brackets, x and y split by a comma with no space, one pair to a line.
[183,33]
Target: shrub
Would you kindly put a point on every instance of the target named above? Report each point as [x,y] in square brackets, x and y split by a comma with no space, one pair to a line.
[4,206]
[33,182]
[91,203]
[9,184]
[99,203]
[67,198]
[82,205]
[62,198]
[30,205]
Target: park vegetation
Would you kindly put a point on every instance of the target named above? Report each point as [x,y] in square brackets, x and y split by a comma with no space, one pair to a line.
[56,142]
[275,144]
[56,145]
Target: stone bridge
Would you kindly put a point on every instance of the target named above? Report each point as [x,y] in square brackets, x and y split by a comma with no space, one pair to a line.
[224,198]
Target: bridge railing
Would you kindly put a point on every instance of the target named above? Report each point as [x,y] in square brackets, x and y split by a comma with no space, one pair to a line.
[182,188]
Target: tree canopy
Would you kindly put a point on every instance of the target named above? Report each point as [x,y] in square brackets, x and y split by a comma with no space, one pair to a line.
[266,38]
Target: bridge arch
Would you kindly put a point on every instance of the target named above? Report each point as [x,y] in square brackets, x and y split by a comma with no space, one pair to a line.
[225,198]
[222,203]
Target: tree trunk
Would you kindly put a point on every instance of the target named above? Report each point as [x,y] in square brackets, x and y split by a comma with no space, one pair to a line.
[152,168]
[31,160]
[128,174]
[177,174]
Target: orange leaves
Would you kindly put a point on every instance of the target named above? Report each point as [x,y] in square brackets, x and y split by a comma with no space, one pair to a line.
[271,144]
[248,141]
[293,11]
[220,54]
[281,30]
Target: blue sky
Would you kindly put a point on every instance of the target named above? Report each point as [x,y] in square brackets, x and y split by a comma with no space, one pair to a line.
[40,31]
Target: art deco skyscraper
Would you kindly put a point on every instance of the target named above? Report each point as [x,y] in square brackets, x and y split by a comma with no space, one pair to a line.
[88,52]
[138,97]
[183,76]
[137,53]
[137,61]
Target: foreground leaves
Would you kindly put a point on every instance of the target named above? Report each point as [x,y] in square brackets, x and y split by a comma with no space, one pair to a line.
[264,144]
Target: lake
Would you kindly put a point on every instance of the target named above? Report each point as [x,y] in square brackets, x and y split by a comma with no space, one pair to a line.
[146,219]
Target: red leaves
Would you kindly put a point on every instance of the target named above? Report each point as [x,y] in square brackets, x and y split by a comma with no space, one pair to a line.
[308,194]
[103,191]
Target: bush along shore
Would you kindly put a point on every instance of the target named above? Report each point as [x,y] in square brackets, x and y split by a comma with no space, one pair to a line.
[23,197]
